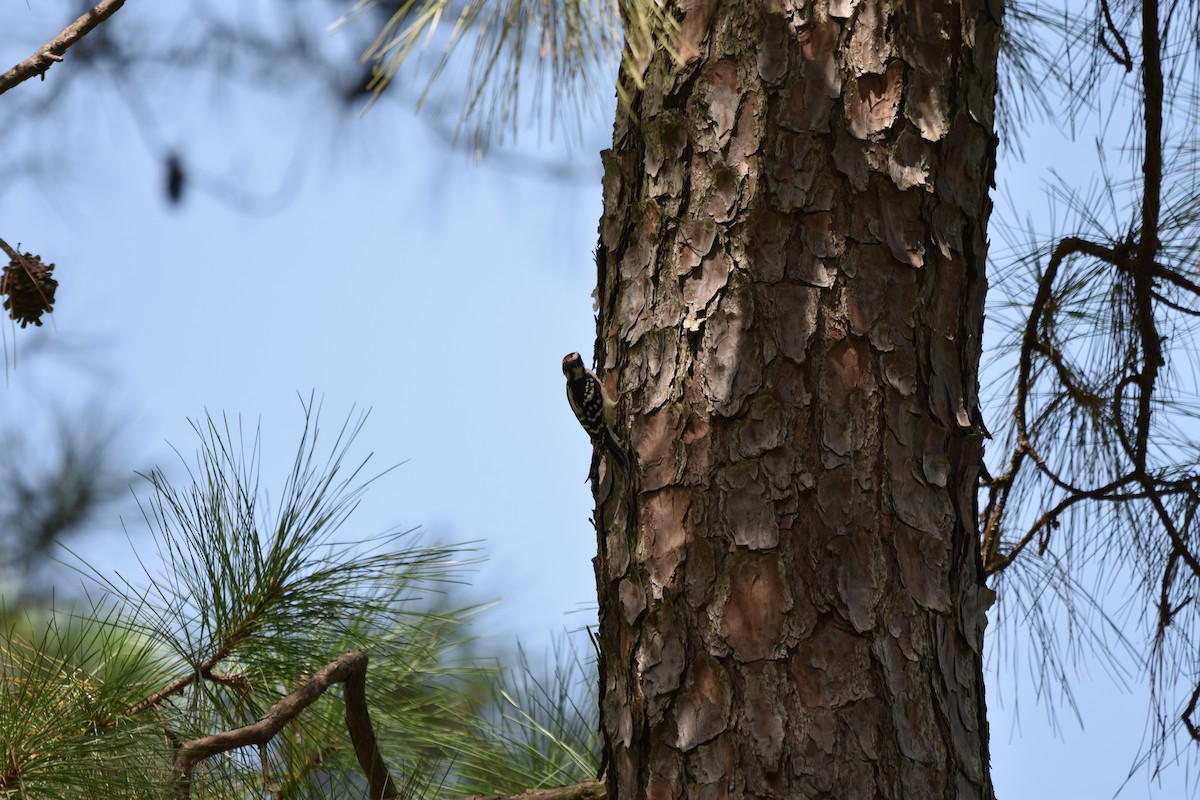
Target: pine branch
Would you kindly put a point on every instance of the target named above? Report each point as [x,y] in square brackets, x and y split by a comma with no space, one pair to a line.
[53,51]
[351,669]
[588,790]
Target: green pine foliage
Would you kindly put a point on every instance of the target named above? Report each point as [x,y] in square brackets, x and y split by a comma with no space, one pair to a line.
[242,603]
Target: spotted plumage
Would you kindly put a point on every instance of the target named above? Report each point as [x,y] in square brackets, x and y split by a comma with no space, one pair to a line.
[592,407]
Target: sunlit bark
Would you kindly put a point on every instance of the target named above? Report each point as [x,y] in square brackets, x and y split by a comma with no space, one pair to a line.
[791,301]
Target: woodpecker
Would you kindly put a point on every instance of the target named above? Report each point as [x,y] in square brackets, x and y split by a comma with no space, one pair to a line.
[591,405]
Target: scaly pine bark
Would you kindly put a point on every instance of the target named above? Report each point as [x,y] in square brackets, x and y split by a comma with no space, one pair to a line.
[791,301]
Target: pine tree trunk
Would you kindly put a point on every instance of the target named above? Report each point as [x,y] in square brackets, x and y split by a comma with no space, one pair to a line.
[791,302]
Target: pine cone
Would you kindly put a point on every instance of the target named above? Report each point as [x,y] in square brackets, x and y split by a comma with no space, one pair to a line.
[29,288]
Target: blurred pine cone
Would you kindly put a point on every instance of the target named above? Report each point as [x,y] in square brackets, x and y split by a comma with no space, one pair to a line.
[29,288]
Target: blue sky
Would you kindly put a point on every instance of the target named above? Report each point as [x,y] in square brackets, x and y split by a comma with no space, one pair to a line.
[403,278]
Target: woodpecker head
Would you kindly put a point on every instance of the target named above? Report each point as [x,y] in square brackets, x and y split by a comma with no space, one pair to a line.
[573,365]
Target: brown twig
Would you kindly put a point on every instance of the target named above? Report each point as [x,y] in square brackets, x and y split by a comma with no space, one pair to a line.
[1000,487]
[1109,492]
[202,670]
[362,734]
[350,669]
[588,790]
[52,52]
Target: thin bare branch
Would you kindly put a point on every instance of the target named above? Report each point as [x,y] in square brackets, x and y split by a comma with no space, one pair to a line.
[1001,486]
[52,52]
[588,790]
[1123,58]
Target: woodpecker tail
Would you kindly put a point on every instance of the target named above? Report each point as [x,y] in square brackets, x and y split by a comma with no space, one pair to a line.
[614,448]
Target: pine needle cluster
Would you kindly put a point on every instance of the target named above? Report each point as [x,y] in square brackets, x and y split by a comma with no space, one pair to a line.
[205,675]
